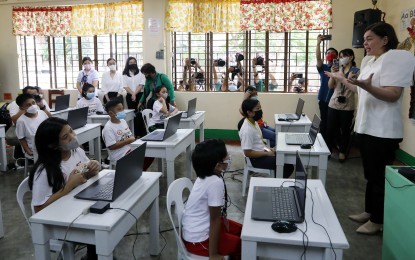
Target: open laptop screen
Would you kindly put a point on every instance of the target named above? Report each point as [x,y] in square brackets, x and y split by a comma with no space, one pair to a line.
[300,183]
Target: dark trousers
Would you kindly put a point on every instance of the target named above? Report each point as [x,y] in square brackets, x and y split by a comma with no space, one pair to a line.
[376,154]
[269,162]
[338,128]
[323,106]
[112,95]
[139,127]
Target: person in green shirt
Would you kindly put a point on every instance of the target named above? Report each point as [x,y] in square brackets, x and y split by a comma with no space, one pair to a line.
[154,80]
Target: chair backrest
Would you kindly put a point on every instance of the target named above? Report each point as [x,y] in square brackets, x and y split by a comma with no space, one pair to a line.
[147,114]
[52,93]
[21,191]
[175,197]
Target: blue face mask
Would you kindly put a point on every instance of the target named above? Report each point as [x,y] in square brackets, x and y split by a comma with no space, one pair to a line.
[120,115]
[90,95]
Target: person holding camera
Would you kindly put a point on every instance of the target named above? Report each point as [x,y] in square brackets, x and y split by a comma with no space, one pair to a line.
[235,71]
[259,83]
[300,86]
[217,80]
[191,67]
[341,105]
[324,93]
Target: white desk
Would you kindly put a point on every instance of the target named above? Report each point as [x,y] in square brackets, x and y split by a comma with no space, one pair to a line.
[103,119]
[182,140]
[194,122]
[91,133]
[3,152]
[300,126]
[258,239]
[316,156]
[106,230]
[63,114]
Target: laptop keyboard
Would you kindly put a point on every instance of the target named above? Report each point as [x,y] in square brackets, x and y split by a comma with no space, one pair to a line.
[291,117]
[105,192]
[297,139]
[283,207]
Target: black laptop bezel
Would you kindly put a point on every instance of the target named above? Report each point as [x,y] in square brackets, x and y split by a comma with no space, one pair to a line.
[78,117]
[62,102]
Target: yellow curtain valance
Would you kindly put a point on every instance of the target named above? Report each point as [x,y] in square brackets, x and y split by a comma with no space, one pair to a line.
[201,16]
[88,20]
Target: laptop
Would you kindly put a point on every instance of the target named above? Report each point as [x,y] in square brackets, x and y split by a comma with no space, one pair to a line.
[298,112]
[128,170]
[62,102]
[282,203]
[161,135]
[77,118]
[191,108]
[304,138]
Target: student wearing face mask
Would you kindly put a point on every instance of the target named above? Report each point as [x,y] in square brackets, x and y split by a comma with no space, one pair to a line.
[61,166]
[90,100]
[28,123]
[341,106]
[161,109]
[116,133]
[324,93]
[111,82]
[154,80]
[252,141]
[87,75]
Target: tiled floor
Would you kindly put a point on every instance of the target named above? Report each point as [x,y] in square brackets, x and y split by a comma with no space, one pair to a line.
[345,186]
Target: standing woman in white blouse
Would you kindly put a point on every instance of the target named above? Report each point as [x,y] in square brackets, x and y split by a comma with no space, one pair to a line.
[112,82]
[87,75]
[133,82]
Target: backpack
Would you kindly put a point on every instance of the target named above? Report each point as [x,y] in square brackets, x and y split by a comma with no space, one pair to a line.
[5,116]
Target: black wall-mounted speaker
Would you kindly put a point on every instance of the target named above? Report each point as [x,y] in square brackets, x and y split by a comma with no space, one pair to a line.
[363,19]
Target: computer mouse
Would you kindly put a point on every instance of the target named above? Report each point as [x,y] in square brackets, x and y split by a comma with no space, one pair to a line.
[281,119]
[303,114]
[305,146]
[282,226]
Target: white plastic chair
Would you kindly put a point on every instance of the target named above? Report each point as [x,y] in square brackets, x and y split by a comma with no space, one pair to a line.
[147,114]
[175,197]
[247,168]
[55,245]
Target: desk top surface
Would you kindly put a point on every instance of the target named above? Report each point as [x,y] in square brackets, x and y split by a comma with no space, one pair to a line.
[86,128]
[197,115]
[304,120]
[319,146]
[323,213]
[106,117]
[63,211]
[173,140]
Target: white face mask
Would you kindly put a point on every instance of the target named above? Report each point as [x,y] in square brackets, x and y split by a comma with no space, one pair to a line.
[112,67]
[164,95]
[32,109]
[344,61]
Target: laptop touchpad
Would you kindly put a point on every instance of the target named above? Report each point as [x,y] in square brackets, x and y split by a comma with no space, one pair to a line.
[262,196]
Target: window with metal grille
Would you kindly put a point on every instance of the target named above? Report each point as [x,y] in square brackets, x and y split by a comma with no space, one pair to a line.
[269,61]
[54,62]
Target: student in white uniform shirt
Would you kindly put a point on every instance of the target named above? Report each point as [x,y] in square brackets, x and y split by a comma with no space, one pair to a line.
[89,100]
[87,75]
[111,82]
[61,166]
[161,109]
[28,123]
[116,133]
[16,111]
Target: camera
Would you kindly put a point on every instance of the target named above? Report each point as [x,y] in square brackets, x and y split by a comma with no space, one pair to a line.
[199,75]
[192,61]
[298,75]
[236,69]
[260,61]
[336,63]
[327,37]
[341,99]
[37,98]
[220,62]
[239,57]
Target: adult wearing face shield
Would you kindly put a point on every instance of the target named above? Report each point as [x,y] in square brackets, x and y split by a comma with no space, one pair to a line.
[324,93]
[154,80]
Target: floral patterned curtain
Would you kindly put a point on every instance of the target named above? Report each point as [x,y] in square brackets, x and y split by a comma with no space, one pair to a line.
[202,16]
[88,20]
[41,21]
[285,15]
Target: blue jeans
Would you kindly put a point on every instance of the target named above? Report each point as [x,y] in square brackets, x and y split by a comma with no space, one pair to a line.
[269,133]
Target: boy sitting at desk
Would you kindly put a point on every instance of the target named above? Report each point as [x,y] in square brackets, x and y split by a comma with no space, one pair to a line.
[116,133]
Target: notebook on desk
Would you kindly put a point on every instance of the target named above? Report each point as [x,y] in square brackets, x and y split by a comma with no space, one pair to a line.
[61,103]
[296,115]
[305,138]
[109,187]
[191,108]
[161,135]
[77,118]
[282,203]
